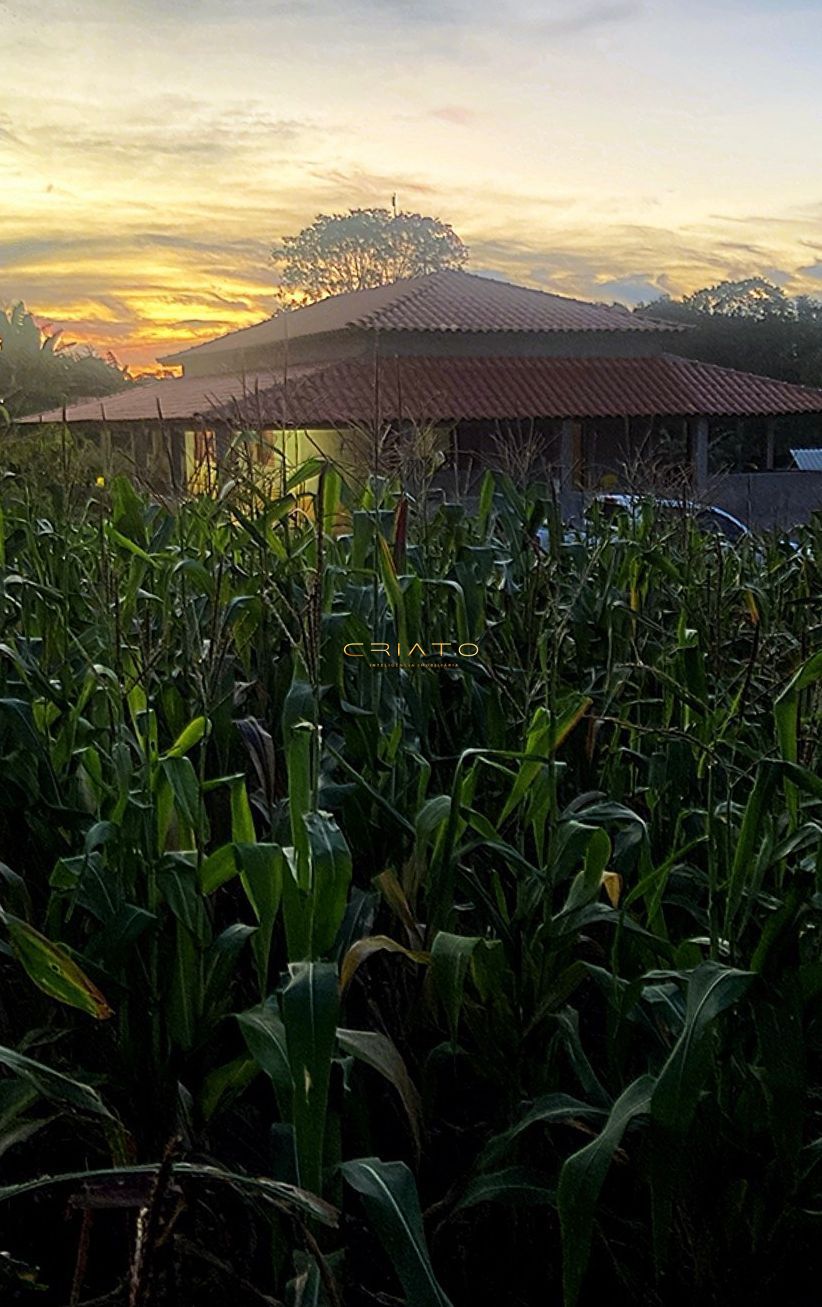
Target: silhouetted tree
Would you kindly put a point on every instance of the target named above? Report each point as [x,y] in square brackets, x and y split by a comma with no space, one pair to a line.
[39,372]
[364,248]
[751,325]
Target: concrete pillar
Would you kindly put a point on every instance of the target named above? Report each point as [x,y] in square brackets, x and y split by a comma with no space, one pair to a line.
[698,433]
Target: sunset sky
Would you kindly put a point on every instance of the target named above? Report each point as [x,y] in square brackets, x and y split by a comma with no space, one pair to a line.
[151,152]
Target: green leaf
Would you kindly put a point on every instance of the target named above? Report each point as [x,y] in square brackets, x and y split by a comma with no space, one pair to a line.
[128,509]
[185,989]
[330,879]
[191,735]
[53,1085]
[393,591]
[750,833]
[514,1186]
[185,788]
[262,874]
[220,962]
[311,1003]
[581,1180]
[311,468]
[117,538]
[242,822]
[549,1109]
[786,716]
[712,989]
[393,1206]
[450,956]
[264,1033]
[53,970]
[179,888]
[586,884]
[218,868]
[786,705]
[225,1083]
[545,735]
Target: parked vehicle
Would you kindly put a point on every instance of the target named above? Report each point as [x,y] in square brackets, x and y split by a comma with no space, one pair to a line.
[708,517]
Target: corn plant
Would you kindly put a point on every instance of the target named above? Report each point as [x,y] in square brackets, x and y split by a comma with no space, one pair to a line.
[339,969]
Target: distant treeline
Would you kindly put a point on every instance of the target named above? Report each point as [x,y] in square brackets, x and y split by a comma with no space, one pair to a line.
[751,325]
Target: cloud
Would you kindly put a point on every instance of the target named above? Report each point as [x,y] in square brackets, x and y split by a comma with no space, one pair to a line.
[6,133]
[458,114]
[590,17]
[631,290]
[200,136]
[365,189]
[566,140]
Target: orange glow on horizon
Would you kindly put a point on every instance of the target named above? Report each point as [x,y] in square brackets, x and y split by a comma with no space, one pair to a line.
[149,168]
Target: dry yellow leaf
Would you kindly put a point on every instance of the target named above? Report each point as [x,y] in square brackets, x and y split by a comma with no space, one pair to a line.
[612,882]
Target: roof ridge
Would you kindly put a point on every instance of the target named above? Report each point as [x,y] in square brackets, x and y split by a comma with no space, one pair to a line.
[411,287]
[539,290]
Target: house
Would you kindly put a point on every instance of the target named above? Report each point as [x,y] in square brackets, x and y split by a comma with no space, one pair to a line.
[594,387]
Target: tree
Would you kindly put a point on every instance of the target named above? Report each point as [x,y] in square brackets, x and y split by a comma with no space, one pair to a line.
[38,371]
[364,248]
[751,325]
[754,297]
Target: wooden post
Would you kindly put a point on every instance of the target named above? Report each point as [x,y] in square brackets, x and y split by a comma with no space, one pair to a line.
[626,467]
[770,435]
[566,456]
[698,431]
[589,470]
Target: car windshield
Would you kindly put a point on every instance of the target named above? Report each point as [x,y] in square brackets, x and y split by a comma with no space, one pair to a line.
[708,520]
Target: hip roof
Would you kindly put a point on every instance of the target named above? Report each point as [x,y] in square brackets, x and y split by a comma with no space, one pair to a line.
[477,389]
[358,391]
[446,301]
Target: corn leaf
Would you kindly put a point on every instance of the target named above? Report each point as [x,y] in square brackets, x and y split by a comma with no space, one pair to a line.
[379,1052]
[390,1198]
[54,1086]
[581,1180]
[53,970]
[310,1006]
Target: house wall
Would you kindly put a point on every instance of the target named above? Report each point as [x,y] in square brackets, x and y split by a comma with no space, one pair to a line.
[273,458]
[766,501]
[322,348]
[354,343]
[770,499]
[532,344]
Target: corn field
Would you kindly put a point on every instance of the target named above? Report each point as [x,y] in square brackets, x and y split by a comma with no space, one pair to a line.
[395,911]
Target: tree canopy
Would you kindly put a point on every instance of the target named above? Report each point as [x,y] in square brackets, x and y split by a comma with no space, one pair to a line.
[364,248]
[753,297]
[751,325]
[38,371]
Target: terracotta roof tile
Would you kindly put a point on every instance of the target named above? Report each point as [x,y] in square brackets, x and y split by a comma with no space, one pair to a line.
[513,388]
[471,389]
[179,398]
[457,301]
[449,300]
